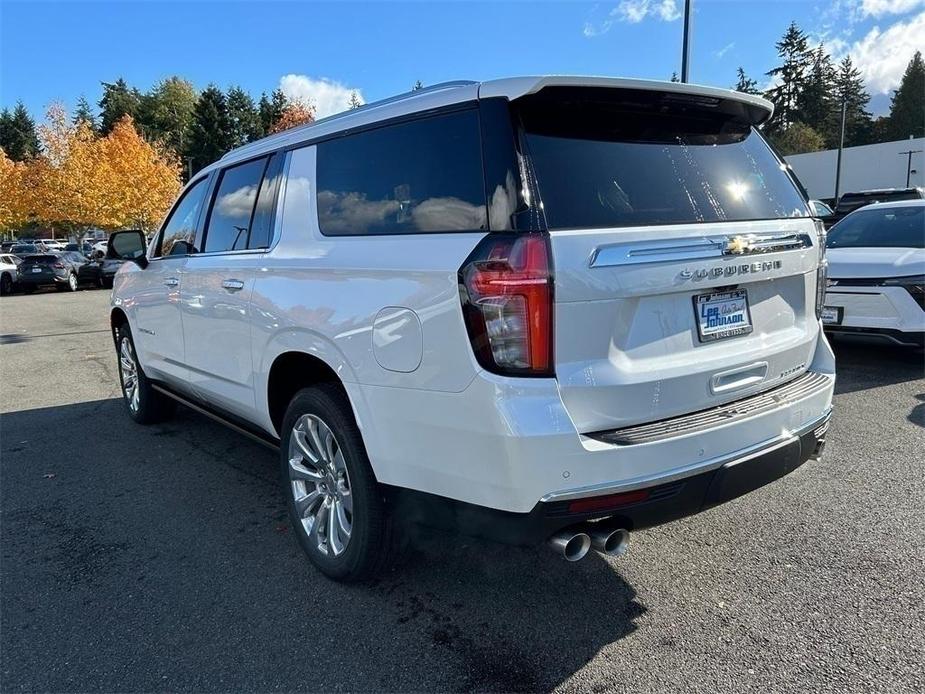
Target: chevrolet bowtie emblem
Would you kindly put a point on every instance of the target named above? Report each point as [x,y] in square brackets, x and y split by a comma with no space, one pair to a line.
[737,245]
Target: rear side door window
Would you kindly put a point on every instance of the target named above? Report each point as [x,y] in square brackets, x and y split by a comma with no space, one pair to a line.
[417,177]
[179,232]
[228,227]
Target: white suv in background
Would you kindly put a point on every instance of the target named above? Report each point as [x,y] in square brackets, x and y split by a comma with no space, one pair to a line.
[877,271]
[533,309]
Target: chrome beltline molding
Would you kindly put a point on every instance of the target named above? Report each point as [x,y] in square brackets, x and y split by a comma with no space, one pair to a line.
[739,456]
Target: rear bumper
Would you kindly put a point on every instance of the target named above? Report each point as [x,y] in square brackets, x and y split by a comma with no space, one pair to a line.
[646,507]
[42,281]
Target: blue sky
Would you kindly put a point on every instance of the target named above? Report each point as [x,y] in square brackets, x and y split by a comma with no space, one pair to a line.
[58,51]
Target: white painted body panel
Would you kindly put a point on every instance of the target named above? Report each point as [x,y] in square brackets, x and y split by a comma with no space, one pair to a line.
[865,306]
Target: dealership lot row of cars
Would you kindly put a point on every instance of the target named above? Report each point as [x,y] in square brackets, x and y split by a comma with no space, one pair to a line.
[29,265]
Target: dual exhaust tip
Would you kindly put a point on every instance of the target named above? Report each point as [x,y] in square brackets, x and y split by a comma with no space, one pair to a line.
[575,542]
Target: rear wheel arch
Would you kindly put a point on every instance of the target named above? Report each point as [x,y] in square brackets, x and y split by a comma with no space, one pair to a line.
[117,319]
[291,372]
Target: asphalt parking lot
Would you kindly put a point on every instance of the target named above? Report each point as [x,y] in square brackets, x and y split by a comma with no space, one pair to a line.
[140,559]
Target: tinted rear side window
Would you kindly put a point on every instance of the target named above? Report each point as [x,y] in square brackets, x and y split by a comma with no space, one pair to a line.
[410,178]
[610,158]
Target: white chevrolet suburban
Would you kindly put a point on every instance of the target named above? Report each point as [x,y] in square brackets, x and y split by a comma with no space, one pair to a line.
[533,309]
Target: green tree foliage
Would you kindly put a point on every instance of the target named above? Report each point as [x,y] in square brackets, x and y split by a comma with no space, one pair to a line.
[848,88]
[165,113]
[211,130]
[790,77]
[744,83]
[907,108]
[83,113]
[674,77]
[799,138]
[271,110]
[245,118]
[816,96]
[355,101]
[418,84]
[118,100]
[17,133]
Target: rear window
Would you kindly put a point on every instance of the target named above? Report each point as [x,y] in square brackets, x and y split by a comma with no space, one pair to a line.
[41,259]
[890,227]
[608,158]
[418,177]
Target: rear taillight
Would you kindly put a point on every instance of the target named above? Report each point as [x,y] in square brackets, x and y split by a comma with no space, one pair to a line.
[821,269]
[58,266]
[506,291]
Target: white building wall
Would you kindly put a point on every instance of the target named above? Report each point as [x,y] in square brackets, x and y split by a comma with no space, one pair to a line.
[862,168]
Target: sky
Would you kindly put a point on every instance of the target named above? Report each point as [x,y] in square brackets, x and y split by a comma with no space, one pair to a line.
[322,51]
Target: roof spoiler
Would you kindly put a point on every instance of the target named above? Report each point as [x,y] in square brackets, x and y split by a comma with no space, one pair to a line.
[759,109]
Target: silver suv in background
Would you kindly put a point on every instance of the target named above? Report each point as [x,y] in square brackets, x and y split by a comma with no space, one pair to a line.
[534,309]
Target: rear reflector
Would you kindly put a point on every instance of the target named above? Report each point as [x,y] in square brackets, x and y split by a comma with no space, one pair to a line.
[611,501]
[506,293]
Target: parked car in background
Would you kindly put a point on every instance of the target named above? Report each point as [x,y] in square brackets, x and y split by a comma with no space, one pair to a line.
[24,249]
[60,270]
[876,281]
[9,266]
[822,212]
[5,246]
[374,295]
[849,202]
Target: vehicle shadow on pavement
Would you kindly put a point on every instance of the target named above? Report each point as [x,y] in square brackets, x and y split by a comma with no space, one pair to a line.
[142,558]
[862,365]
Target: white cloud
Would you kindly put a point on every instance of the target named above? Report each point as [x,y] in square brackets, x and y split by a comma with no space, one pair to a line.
[327,96]
[634,11]
[879,8]
[882,56]
[724,50]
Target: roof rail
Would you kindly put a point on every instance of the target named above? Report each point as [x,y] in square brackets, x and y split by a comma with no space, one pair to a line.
[454,84]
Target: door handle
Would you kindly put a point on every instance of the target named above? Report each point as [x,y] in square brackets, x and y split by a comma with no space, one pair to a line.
[171,282]
[233,285]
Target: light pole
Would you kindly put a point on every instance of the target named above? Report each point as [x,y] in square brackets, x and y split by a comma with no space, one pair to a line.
[909,164]
[841,146]
[686,43]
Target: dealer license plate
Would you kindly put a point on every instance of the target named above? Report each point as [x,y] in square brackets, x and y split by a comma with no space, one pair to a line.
[722,314]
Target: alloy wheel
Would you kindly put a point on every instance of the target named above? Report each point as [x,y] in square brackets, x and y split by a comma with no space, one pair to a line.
[129,368]
[72,282]
[320,485]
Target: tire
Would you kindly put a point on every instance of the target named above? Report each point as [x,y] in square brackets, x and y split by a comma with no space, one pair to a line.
[71,282]
[6,284]
[144,404]
[27,289]
[315,507]
[106,282]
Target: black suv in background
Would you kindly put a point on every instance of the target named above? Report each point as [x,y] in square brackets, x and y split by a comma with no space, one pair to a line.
[59,269]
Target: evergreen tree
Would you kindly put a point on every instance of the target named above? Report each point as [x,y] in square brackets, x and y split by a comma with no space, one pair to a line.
[166,112]
[271,110]
[17,133]
[816,100]
[245,119]
[84,113]
[799,138]
[744,83]
[210,134]
[355,100]
[418,84]
[791,76]
[849,88]
[674,77]
[118,100]
[907,107]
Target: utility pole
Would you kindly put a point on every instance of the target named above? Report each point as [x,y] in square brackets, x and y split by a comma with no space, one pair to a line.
[686,43]
[909,164]
[841,146]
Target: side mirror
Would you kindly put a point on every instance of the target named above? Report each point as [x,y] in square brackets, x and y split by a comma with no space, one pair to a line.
[128,245]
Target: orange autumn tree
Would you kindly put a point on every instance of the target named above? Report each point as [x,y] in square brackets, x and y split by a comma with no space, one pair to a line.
[295,113]
[82,180]
[14,201]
